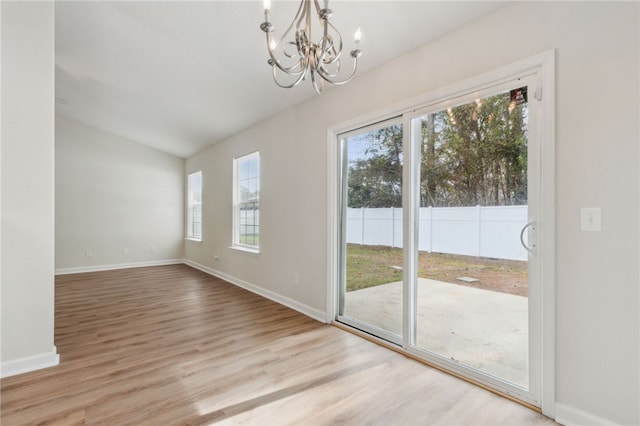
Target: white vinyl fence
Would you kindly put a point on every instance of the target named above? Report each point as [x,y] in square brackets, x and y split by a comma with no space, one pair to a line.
[473,231]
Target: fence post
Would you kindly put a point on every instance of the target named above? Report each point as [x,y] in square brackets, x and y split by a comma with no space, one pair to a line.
[479,222]
[430,229]
[362,226]
[393,227]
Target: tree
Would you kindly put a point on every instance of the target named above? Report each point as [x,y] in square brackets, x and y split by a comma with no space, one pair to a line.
[475,154]
[472,154]
[376,181]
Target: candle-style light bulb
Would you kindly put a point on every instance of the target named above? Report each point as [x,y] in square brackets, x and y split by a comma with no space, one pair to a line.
[358,36]
[267,7]
[272,44]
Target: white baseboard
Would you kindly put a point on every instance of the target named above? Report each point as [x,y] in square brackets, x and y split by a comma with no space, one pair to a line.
[29,363]
[98,268]
[290,303]
[571,416]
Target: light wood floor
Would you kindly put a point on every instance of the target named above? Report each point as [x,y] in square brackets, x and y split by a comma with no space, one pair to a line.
[172,345]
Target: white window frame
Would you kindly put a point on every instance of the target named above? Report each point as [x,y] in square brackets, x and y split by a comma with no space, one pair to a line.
[194,205]
[238,203]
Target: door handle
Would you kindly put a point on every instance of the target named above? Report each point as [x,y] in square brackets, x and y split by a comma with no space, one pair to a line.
[532,247]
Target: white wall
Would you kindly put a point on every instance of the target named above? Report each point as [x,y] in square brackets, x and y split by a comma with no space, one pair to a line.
[597,274]
[27,187]
[114,194]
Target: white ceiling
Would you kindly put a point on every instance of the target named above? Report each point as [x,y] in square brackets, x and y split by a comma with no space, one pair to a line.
[179,76]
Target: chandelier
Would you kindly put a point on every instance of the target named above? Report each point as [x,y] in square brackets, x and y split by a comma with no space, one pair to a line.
[300,56]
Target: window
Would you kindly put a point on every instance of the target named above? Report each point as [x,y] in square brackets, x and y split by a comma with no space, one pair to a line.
[194,206]
[246,202]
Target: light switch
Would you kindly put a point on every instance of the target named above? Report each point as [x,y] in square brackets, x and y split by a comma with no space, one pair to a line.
[590,219]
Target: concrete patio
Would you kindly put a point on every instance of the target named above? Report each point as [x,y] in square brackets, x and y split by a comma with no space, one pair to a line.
[483,329]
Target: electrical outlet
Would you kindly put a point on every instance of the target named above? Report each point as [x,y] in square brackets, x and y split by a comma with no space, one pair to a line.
[296,280]
[88,253]
[153,249]
[125,251]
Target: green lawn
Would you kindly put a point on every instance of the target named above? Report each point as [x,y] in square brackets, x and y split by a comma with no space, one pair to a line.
[250,239]
[369,266]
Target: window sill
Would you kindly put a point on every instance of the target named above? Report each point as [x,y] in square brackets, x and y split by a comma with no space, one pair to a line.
[195,240]
[245,249]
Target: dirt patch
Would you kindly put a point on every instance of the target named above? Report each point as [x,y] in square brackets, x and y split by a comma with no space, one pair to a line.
[505,276]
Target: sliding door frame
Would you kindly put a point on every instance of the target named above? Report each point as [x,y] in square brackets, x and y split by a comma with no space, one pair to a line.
[532,393]
[543,66]
[342,209]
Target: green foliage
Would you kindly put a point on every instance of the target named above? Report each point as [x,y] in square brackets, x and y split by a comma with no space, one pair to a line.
[472,154]
[377,180]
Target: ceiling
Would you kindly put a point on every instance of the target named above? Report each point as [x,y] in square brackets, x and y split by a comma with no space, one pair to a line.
[179,76]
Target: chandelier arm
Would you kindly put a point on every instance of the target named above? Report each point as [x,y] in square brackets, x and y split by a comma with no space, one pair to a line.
[330,68]
[288,86]
[330,58]
[307,18]
[286,53]
[323,40]
[340,46]
[329,77]
[298,70]
[318,85]
[330,74]
[326,42]
[338,51]
[317,5]
[292,69]
[274,62]
[296,20]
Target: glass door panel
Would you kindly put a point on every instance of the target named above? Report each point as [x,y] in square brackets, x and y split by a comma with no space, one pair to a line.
[371,293]
[471,293]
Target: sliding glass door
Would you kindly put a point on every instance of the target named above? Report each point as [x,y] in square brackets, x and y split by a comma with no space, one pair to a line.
[371,293]
[471,293]
[437,234]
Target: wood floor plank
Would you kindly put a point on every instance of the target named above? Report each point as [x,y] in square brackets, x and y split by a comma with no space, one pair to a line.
[170,345]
